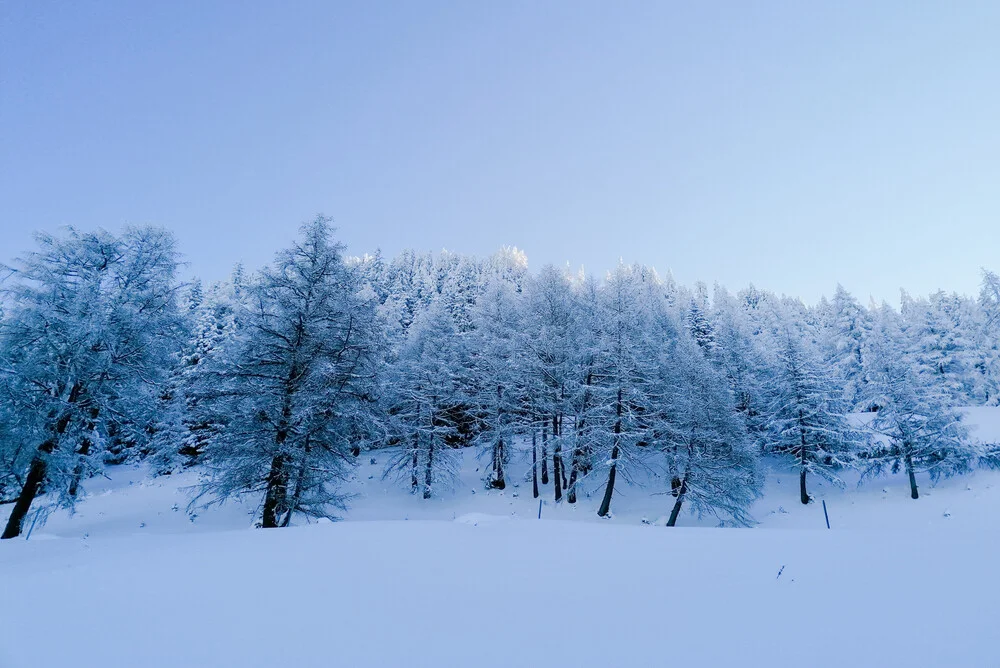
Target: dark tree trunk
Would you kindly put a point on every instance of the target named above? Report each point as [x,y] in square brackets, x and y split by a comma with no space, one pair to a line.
[575,464]
[610,488]
[585,463]
[675,486]
[578,453]
[545,455]
[429,470]
[36,475]
[534,464]
[562,464]
[413,469]
[803,494]
[913,478]
[557,486]
[74,485]
[556,460]
[498,474]
[297,493]
[498,481]
[613,472]
[276,494]
[672,521]
[33,482]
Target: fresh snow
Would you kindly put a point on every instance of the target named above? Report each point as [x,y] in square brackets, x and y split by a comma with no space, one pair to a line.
[131,579]
[503,594]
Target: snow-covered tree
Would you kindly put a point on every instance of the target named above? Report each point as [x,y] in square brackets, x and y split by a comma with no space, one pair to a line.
[587,397]
[940,332]
[509,265]
[987,366]
[550,364]
[697,319]
[915,428]
[296,390]
[843,338]
[807,415]
[625,367]
[430,390]
[183,431]
[710,460]
[738,356]
[409,290]
[460,287]
[90,323]
[499,376]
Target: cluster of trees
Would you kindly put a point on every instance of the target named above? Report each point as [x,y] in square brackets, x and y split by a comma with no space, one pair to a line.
[273,383]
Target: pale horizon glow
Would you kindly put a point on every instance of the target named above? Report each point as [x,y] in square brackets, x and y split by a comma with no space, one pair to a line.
[789,145]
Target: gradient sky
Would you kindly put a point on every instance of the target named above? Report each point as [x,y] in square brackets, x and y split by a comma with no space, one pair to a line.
[788,144]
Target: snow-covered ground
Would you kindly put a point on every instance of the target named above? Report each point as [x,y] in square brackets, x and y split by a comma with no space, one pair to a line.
[132,580]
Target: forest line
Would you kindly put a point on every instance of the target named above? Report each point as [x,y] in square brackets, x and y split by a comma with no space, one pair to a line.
[275,381]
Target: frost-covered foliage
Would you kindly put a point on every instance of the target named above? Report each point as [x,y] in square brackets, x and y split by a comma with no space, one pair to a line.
[296,389]
[626,366]
[807,414]
[987,365]
[15,446]
[272,383]
[710,460]
[499,381]
[182,431]
[430,394]
[551,348]
[586,371]
[940,334]
[89,326]
[739,355]
[845,326]
[916,427]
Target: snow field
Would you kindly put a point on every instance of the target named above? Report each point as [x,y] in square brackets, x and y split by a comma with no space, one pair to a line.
[132,580]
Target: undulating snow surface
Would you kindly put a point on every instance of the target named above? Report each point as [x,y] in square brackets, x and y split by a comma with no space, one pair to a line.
[132,580]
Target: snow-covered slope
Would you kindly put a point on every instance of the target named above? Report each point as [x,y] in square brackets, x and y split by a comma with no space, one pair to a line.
[133,580]
[129,501]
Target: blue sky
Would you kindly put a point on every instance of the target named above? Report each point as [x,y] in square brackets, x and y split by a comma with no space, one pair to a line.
[788,144]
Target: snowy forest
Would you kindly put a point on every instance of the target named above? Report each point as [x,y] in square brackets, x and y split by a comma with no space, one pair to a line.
[274,383]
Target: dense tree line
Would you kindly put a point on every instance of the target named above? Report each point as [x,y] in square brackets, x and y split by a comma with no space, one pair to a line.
[274,382]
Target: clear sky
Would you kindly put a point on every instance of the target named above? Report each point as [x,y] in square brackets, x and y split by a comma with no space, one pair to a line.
[788,144]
